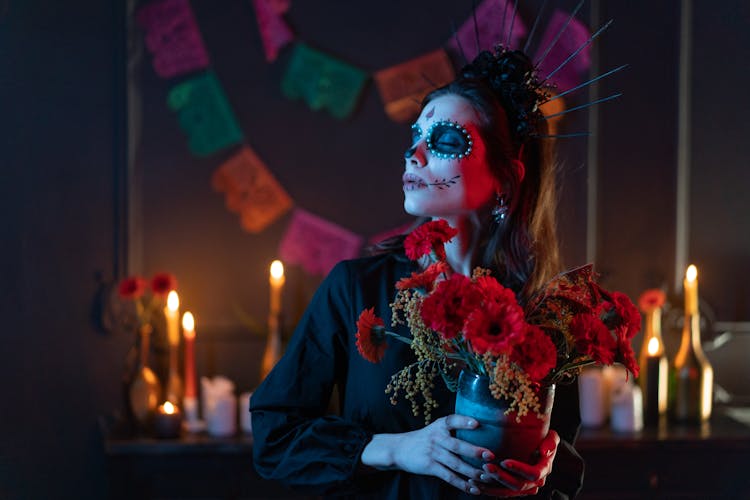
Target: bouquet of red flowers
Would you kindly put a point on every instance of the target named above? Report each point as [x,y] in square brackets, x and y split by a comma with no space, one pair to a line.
[476,324]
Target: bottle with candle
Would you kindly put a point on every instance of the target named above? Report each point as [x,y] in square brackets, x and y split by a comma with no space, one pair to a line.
[692,372]
[653,360]
[145,389]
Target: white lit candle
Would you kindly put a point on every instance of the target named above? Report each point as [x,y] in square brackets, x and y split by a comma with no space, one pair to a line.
[691,290]
[188,328]
[172,313]
[276,281]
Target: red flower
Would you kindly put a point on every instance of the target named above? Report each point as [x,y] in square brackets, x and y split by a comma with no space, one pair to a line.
[626,310]
[446,308]
[163,283]
[428,237]
[371,336]
[625,354]
[497,326]
[593,338]
[536,355]
[651,299]
[424,280]
[131,287]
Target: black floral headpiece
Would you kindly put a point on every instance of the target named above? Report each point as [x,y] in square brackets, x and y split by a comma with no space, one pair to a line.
[513,79]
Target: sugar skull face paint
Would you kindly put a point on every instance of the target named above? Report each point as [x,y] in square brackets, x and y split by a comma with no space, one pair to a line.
[446,171]
[445,139]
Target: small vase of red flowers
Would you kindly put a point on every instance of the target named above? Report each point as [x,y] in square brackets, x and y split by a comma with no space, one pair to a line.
[477,335]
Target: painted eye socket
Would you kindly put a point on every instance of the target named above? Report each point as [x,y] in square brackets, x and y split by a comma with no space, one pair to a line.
[449,140]
[416,133]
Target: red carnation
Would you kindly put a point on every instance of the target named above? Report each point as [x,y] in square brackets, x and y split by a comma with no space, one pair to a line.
[497,326]
[593,338]
[428,237]
[626,310]
[163,283]
[446,308]
[651,299]
[536,355]
[625,354]
[131,287]
[424,280]
[371,336]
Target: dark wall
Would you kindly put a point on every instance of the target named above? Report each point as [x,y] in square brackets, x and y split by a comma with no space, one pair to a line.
[62,167]
[60,100]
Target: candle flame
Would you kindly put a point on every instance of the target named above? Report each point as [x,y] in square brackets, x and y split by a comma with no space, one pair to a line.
[173,301]
[692,273]
[168,408]
[653,346]
[188,325]
[277,269]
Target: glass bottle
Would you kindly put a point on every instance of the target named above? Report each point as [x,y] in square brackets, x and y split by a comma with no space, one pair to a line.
[693,374]
[145,390]
[653,369]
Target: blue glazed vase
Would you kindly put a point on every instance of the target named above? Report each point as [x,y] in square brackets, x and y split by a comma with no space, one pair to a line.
[498,431]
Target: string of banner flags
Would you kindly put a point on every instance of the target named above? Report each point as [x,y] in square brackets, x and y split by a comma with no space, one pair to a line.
[324,82]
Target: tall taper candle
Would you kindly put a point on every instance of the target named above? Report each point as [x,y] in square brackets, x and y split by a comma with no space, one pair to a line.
[276,280]
[690,285]
[188,328]
[172,314]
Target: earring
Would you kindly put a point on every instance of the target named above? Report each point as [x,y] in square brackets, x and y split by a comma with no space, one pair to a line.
[500,210]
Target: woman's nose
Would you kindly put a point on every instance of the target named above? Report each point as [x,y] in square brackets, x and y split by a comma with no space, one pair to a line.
[414,156]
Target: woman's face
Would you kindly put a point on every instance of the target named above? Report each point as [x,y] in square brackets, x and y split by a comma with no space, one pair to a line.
[446,171]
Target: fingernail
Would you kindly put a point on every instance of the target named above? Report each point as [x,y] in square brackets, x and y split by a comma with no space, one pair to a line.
[488,455]
[484,477]
[471,422]
[474,491]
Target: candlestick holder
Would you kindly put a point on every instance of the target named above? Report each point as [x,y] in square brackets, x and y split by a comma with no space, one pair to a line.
[272,353]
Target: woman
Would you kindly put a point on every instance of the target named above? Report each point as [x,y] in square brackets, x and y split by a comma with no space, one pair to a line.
[476,160]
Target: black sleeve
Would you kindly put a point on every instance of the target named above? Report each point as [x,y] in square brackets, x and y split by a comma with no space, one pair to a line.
[295,442]
[566,478]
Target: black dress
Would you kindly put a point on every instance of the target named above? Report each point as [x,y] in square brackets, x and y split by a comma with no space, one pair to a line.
[299,443]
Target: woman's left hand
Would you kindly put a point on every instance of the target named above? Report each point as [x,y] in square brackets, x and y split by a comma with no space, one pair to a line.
[514,478]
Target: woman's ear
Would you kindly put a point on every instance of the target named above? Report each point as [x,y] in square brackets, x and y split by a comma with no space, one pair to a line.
[520,169]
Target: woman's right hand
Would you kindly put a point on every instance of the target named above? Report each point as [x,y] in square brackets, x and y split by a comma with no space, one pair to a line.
[431,451]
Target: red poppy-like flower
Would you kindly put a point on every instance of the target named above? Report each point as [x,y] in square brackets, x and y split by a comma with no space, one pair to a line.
[424,280]
[497,326]
[428,237]
[593,338]
[536,355]
[163,283]
[131,287]
[446,308]
[370,335]
[651,299]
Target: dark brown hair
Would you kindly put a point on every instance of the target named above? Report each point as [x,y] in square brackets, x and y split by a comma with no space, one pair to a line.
[523,249]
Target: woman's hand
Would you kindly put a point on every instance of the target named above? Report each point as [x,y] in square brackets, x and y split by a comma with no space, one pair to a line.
[431,451]
[517,478]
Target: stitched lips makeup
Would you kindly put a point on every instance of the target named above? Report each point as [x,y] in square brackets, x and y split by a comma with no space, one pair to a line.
[413,182]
